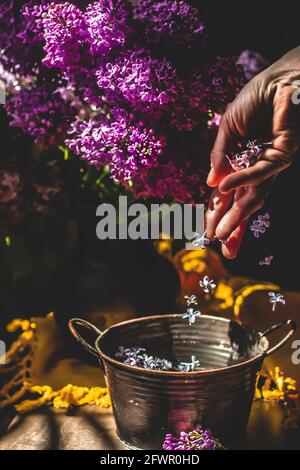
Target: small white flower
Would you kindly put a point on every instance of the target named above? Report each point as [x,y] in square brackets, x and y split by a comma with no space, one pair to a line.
[191,314]
[246,158]
[200,240]
[191,299]
[207,284]
[264,219]
[254,148]
[275,299]
[267,261]
[240,161]
[189,366]
[260,224]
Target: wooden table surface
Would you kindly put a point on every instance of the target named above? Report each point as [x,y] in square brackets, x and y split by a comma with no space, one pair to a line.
[91,428]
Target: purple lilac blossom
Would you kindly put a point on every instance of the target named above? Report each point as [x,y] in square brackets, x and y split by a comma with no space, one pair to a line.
[21,38]
[127,149]
[42,113]
[108,24]
[170,181]
[65,33]
[171,21]
[116,72]
[135,77]
[198,439]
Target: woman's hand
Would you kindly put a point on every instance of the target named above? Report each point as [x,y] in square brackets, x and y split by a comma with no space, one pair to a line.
[263,110]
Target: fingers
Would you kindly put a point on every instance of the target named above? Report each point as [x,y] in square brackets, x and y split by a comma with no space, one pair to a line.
[217,207]
[231,247]
[286,121]
[243,118]
[246,202]
[254,175]
[286,141]
[220,166]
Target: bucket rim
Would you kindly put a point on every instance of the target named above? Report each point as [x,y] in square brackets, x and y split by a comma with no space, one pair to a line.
[219,370]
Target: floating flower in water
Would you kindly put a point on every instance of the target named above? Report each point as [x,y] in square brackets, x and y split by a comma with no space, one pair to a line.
[191,314]
[191,299]
[275,299]
[123,353]
[198,439]
[200,240]
[189,366]
[267,261]
[207,284]
[155,363]
[260,224]
[137,357]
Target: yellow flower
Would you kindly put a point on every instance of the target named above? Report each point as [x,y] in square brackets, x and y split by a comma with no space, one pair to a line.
[224,292]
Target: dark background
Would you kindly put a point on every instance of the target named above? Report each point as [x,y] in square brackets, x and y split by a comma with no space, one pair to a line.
[270,27]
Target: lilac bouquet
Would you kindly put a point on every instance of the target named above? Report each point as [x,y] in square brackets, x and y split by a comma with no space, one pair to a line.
[124,86]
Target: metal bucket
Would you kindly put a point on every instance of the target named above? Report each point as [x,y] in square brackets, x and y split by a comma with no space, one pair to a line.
[148,404]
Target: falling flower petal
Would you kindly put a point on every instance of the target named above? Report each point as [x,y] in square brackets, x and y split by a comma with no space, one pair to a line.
[207,284]
[200,240]
[191,299]
[267,261]
[260,224]
[275,299]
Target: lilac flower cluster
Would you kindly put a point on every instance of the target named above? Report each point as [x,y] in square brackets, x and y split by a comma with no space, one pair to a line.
[144,82]
[172,181]
[6,24]
[65,35]
[137,357]
[108,25]
[246,158]
[143,107]
[171,21]
[198,439]
[126,149]
[41,112]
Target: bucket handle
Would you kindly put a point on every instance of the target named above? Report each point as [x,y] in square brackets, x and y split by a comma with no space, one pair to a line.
[291,323]
[73,323]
